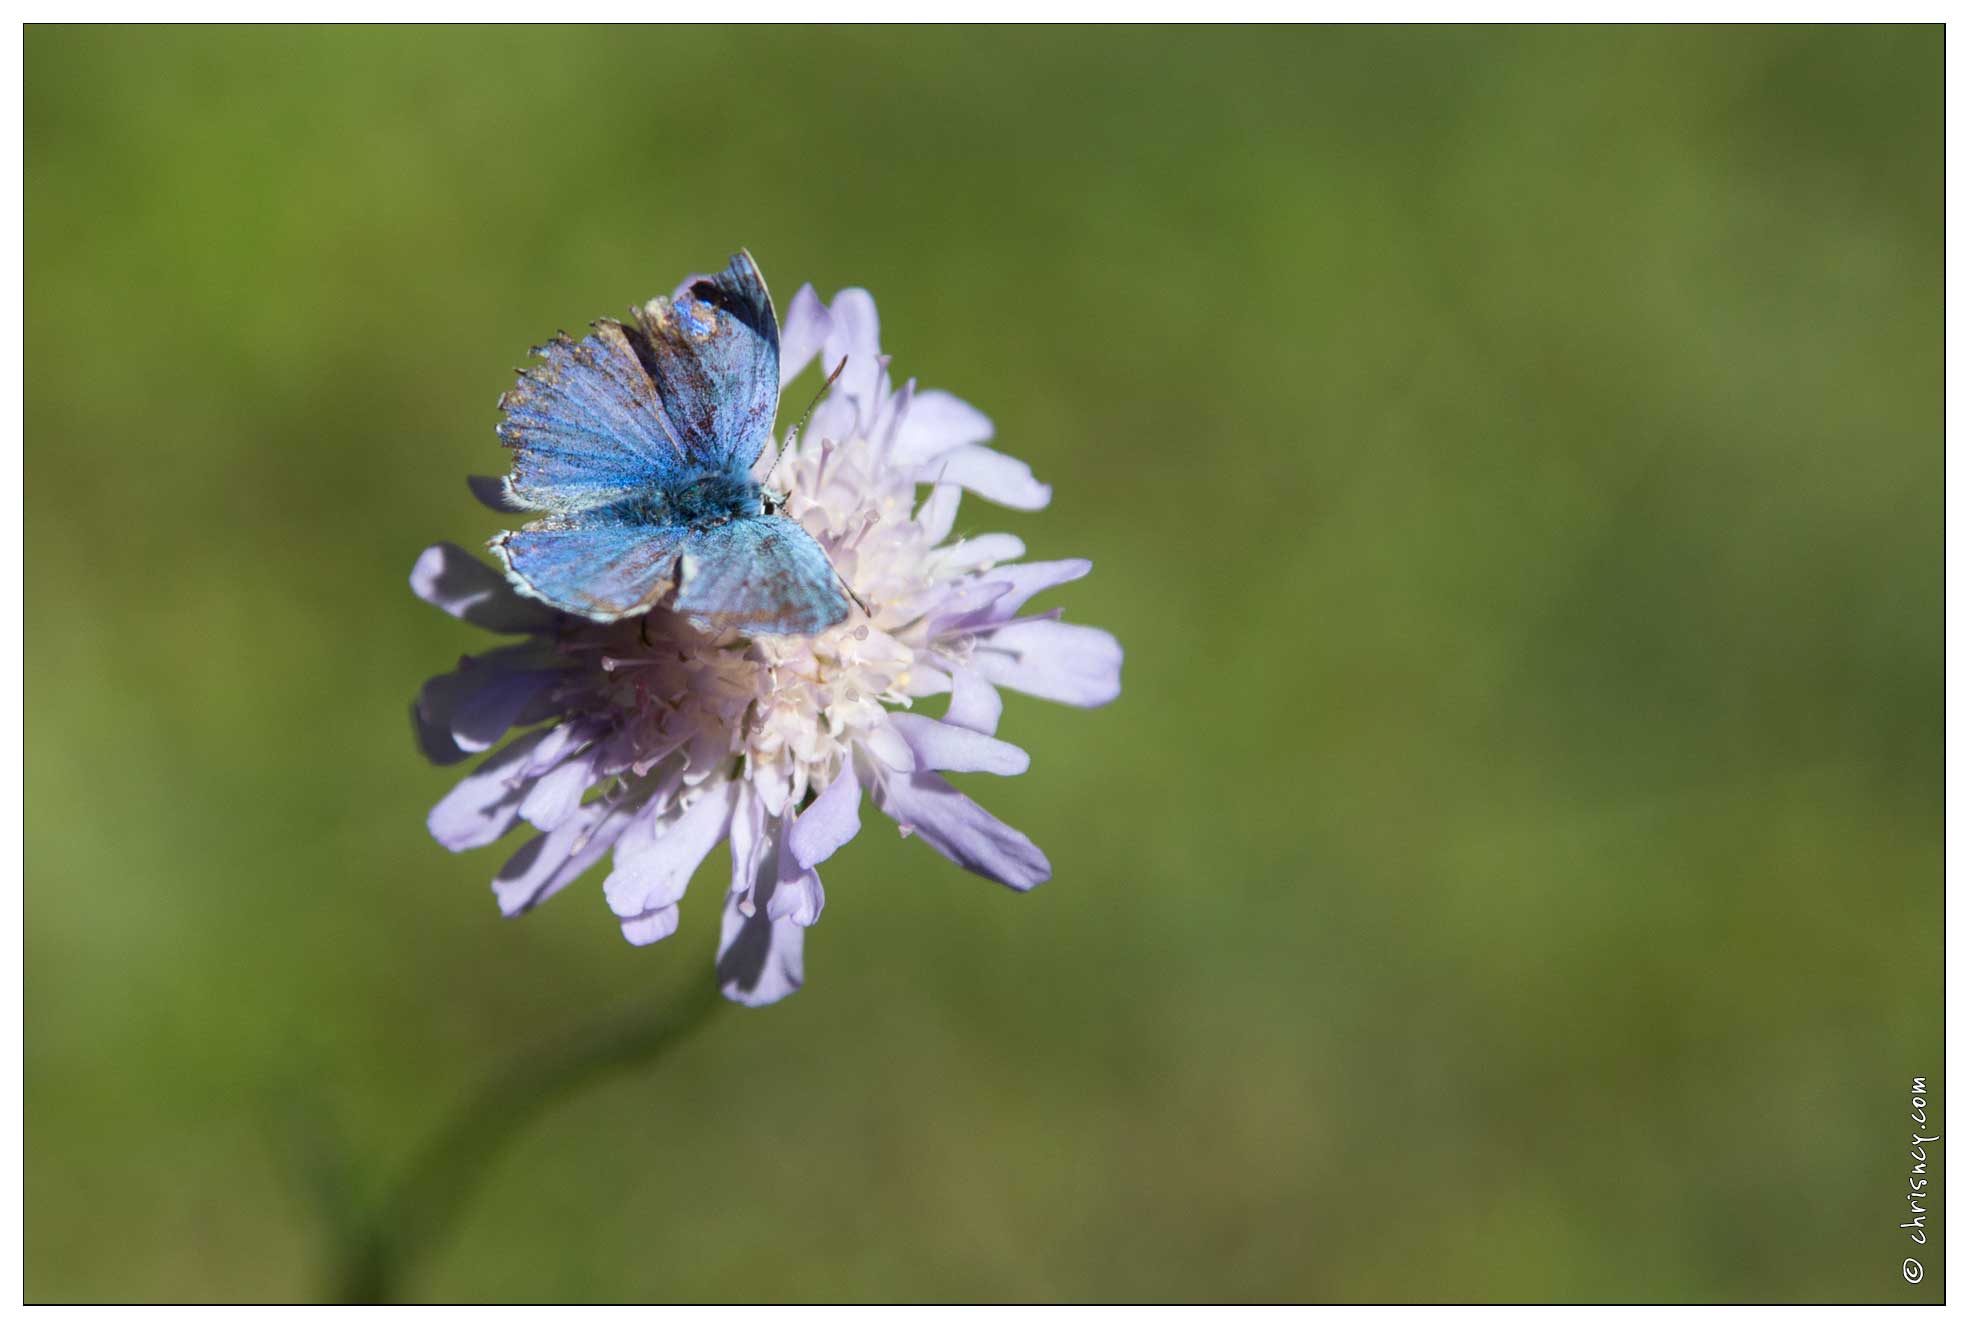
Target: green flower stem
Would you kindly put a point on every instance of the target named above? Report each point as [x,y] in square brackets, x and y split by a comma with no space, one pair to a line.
[420,1209]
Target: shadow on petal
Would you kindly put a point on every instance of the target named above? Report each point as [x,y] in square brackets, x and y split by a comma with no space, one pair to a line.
[760,958]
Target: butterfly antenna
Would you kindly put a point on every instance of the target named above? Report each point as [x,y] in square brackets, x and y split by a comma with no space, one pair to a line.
[793,434]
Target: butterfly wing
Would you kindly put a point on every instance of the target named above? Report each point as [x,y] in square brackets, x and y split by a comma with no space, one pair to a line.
[762,575]
[599,571]
[586,426]
[712,353]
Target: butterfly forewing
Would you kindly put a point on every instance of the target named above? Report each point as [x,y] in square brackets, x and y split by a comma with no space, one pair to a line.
[585,426]
[712,352]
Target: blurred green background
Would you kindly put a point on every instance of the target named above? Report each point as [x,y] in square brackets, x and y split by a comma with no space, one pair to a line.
[1511,458]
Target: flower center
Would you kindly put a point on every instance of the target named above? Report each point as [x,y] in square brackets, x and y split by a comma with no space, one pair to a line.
[792,708]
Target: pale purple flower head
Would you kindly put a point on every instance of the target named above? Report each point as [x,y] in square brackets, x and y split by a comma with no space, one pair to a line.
[653,741]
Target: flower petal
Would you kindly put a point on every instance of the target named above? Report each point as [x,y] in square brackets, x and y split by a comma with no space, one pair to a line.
[1064,662]
[471,708]
[982,553]
[430,724]
[802,333]
[484,805]
[829,822]
[656,857]
[749,840]
[886,746]
[759,956]
[948,747]
[554,744]
[967,604]
[556,795]
[974,703]
[925,804]
[993,475]
[996,596]
[939,512]
[926,680]
[891,409]
[796,893]
[855,332]
[467,589]
[547,863]
[836,417]
[937,422]
[645,929]
[1029,579]
[483,713]
[760,959]
[495,493]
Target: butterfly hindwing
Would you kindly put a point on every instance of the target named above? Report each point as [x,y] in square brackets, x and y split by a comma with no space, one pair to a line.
[586,426]
[760,574]
[712,352]
[602,572]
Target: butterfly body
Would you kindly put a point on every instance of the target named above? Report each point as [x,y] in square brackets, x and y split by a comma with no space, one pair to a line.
[707,500]
[637,444]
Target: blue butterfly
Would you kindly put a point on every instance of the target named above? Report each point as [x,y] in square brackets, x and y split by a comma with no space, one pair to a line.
[637,443]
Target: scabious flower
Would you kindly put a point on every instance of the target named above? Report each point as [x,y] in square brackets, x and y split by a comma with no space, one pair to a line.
[654,740]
